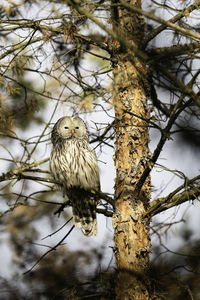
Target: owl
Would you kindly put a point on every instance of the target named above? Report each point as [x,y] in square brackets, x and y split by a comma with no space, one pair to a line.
[74,164]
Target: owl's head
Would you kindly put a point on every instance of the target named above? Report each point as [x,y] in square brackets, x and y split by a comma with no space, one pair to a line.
[69,128]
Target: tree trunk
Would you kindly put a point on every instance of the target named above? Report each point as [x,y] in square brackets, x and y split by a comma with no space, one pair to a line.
[132,241]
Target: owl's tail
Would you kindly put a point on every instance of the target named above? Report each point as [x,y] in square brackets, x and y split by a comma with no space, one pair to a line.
[84,212]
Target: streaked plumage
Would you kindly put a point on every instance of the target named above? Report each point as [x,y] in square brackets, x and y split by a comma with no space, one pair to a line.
[74,164]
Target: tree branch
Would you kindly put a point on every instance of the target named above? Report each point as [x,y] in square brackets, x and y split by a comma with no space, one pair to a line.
[161,204]
[115,36]
[160,53]
[164,23]
[164,136]
[183,13]
[17,172]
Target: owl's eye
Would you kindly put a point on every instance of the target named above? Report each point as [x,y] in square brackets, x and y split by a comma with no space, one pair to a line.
[66,127]
[76,127]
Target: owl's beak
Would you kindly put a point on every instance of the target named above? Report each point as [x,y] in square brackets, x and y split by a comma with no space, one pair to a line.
[73,131]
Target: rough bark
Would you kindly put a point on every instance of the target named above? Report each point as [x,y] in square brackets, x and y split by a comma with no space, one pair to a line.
[132,242]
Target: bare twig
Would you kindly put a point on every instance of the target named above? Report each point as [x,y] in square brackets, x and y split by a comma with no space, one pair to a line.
[52,249]
[50,235]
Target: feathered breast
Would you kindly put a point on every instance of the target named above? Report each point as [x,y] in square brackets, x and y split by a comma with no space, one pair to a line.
[73,162]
